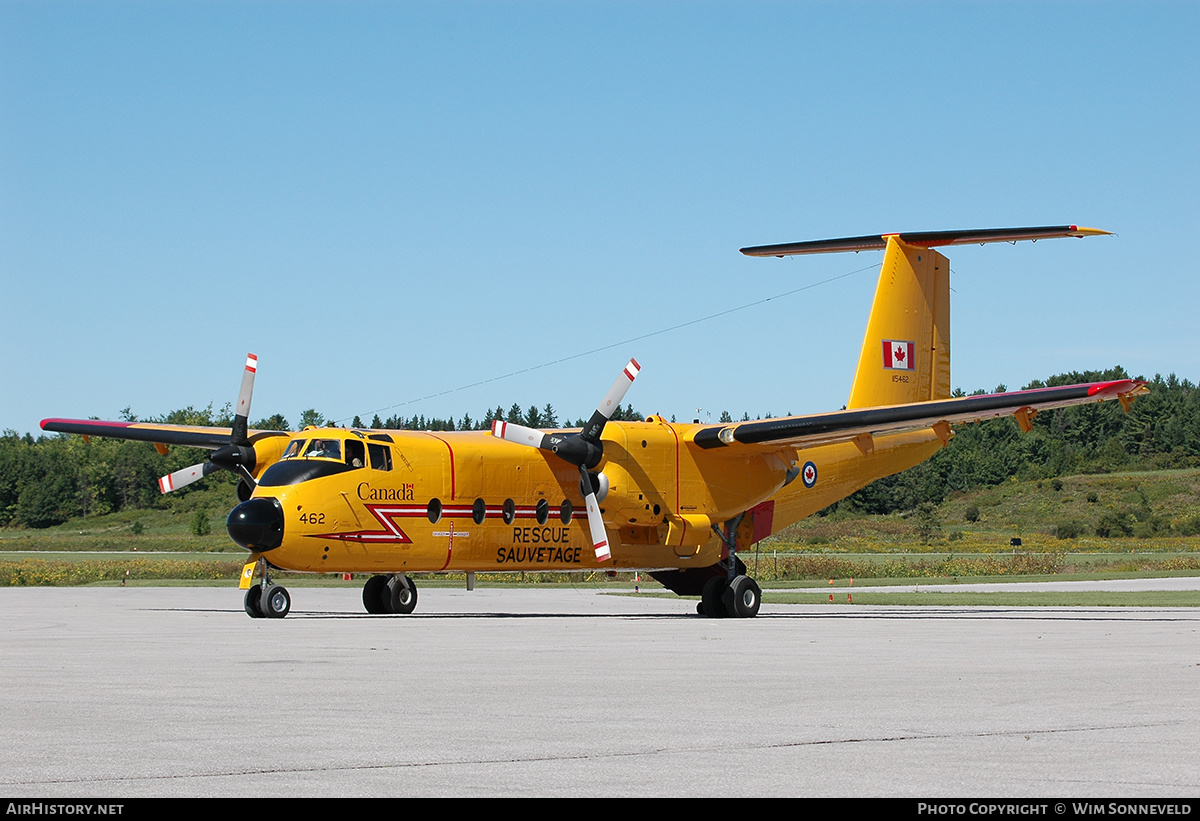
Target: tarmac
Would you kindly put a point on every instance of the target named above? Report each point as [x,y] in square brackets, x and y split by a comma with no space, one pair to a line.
[175,692]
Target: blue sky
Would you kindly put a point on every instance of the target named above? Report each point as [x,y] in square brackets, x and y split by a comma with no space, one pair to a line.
[389,201]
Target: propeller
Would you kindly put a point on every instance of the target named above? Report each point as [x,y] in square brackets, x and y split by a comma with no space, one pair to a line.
[238,456]
[583,449]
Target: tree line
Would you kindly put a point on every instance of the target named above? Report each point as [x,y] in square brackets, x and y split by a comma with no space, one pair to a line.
[50,479]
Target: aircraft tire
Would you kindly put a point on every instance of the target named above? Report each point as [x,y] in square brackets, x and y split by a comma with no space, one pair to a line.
[276,602]
[376,596]
[253,602]
[711,599]
[742,597]
[404,599]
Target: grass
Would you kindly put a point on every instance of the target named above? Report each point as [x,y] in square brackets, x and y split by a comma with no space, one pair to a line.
[1160,502]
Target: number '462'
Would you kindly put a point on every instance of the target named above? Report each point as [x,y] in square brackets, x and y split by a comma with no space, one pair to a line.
[312,518]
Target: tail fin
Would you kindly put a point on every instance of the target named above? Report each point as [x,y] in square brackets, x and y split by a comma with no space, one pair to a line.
[905,353]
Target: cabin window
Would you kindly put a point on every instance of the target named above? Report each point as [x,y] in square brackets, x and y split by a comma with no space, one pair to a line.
[381,456]
[435,510]
[510,511]
[543,511]
[478,511]
[564,511]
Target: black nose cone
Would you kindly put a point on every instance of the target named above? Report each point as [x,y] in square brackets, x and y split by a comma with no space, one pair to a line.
[257,524]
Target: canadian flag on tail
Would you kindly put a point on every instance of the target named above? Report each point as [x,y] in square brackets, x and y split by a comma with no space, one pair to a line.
[899,355]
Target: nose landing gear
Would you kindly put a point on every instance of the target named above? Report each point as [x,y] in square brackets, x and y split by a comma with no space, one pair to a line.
[267,600]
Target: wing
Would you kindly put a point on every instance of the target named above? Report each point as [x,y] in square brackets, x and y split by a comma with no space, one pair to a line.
[196,436]
[841,426]
[246,457]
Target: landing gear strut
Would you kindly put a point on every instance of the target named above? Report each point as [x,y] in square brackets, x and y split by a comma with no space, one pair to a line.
[267,600]
[733,595]
[390,594]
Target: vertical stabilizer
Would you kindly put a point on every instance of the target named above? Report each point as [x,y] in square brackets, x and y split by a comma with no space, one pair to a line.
[905,354]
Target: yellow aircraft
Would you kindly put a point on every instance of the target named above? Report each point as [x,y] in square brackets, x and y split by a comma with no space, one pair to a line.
[679,501]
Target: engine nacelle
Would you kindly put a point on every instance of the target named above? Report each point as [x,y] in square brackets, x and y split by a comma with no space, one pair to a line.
[657,478]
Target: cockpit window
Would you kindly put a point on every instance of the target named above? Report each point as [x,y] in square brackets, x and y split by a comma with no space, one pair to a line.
[323,449]
[326,448]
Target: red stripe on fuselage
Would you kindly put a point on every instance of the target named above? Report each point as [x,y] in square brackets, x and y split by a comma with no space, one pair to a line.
[452,480]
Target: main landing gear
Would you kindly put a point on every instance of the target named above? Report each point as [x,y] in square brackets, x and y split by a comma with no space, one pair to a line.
[723,597]
[733,594]
[395,594]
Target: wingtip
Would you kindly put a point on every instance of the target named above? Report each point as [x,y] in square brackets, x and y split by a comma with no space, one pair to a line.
[1081,231]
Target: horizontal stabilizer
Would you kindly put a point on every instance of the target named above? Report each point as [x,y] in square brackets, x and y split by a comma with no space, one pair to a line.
[925,239]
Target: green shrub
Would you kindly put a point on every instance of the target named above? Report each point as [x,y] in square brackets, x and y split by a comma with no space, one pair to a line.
[1068,530]
[1114,524]
[200,526]
[1189,526]
[926,522]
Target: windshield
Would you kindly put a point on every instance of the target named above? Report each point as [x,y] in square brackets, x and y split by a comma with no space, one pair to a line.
[322,448]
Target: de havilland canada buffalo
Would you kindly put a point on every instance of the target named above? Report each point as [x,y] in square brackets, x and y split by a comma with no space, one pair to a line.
[679,501]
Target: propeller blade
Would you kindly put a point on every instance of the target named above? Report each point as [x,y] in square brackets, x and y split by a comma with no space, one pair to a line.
[238,456]
[512,432]
[182,478]
[595,520]
[241,417]
[610,402]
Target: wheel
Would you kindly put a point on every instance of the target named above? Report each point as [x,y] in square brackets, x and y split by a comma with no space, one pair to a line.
[276,602]
[376,596]
[254,602]
[403,596]
[712,595]
[742,597]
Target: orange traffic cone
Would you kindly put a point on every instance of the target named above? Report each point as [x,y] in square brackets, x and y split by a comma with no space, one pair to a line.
[831,598]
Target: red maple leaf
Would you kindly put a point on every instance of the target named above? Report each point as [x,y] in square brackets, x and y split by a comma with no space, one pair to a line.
[898,355]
